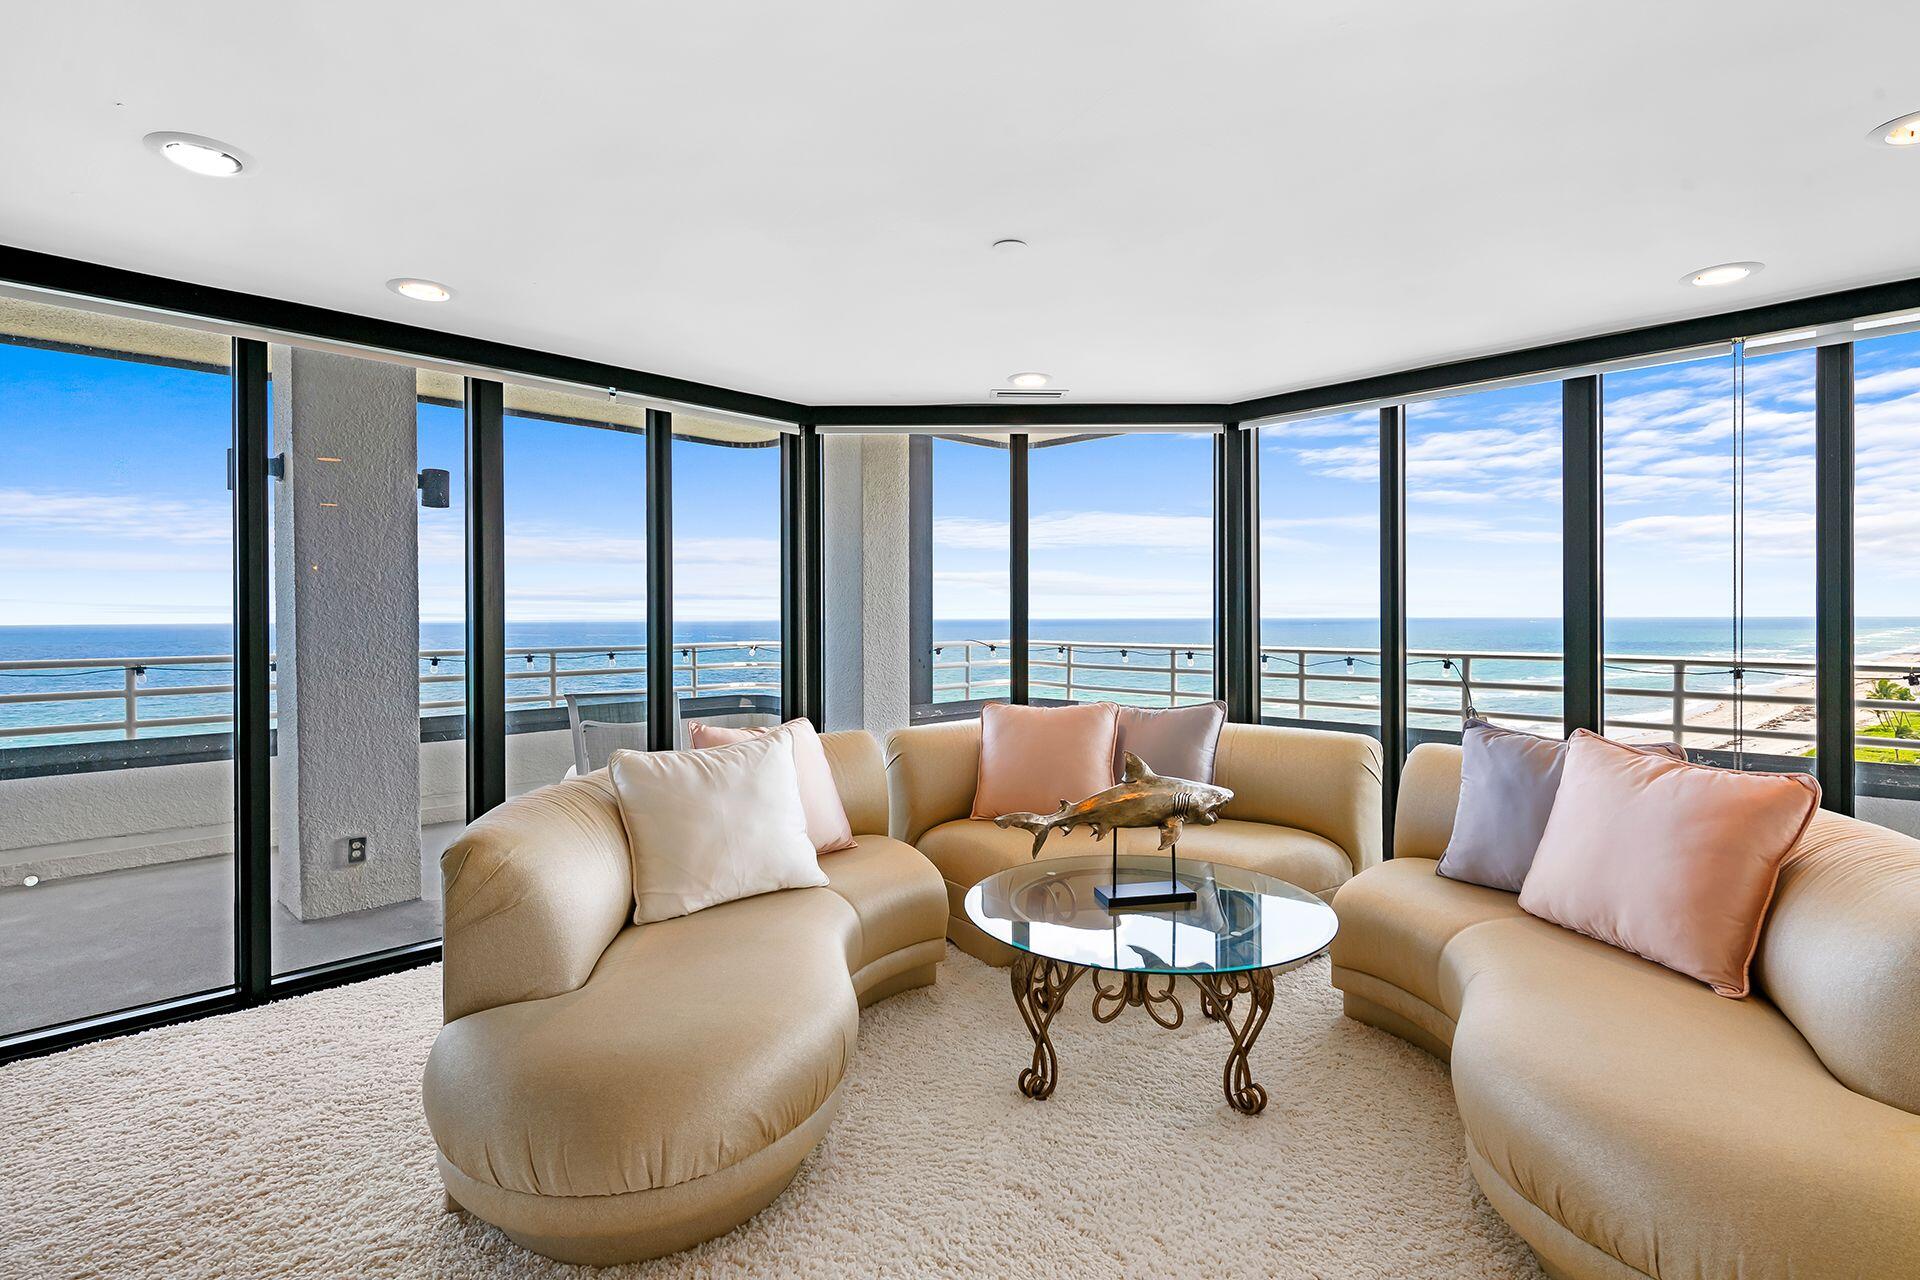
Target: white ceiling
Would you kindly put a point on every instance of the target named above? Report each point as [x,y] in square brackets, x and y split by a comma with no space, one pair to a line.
[1223,198]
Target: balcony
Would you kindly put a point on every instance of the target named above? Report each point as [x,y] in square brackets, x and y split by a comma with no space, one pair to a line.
[116,776]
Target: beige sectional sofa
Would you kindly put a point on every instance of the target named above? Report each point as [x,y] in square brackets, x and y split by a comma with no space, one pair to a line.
[605,1092]
[1626,1120]
[1306,808]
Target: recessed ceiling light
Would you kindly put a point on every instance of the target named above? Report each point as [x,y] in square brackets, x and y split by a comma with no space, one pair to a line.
[195,154]
[1028,380]
[1904,132]
[419,290]
[1725,273]
[1009,245]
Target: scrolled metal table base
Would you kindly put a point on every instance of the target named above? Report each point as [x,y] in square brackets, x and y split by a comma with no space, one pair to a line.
[1040,988]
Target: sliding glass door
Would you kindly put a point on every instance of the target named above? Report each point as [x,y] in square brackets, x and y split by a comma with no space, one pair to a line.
[116,643]
[1887,582]
[1708,547]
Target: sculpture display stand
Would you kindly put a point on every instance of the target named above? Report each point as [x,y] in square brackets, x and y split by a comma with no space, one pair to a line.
[1143,895]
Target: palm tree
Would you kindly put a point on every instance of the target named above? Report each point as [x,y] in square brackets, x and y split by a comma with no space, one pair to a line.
[1886,690]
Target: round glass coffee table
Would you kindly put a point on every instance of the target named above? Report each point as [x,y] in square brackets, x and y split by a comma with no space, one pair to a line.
[1242,928]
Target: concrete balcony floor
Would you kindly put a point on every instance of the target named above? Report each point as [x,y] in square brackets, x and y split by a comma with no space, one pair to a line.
[87,945]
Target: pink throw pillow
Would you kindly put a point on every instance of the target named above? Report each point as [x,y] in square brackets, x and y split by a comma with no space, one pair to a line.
[1032,758]
[827,825]
[1672,861]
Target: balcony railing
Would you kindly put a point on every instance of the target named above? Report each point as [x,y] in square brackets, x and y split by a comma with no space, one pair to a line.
[1656,695]
[537,676]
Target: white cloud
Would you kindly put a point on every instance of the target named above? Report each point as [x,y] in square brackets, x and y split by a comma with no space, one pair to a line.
[129,516]
[1080,529]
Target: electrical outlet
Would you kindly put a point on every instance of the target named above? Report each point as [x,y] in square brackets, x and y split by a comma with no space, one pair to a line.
[356,848]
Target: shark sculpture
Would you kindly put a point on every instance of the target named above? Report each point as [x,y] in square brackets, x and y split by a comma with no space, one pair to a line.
[1142,798]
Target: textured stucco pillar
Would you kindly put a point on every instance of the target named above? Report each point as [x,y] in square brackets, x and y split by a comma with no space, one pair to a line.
[869,650]
[347,612]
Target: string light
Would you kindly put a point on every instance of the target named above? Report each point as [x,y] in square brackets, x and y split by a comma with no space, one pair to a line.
[1123,656]
[139,675]
[609,659]
[1189,657]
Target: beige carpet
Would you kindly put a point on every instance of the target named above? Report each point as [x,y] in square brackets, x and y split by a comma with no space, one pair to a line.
[289,1141]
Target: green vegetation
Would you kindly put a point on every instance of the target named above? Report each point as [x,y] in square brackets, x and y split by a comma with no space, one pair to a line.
[1889,723]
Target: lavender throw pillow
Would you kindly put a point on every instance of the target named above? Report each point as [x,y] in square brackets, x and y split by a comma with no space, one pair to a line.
[1508,781]
[1175,742]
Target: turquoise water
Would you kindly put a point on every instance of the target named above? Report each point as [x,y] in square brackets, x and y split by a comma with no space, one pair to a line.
[1139,677]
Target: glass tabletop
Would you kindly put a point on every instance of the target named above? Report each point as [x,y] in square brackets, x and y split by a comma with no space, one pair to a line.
[1240,919]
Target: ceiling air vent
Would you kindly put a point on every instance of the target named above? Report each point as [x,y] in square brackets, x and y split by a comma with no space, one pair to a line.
[1027,393]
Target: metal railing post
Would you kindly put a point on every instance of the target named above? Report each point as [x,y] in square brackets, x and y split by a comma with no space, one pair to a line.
[130,722]
[1069,675]
[1680,704]
[1300,684]
[553,678]
[1466,689]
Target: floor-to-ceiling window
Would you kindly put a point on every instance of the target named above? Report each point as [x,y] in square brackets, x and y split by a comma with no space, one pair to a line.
[1887,580]
[1121,555]
[727,648]
[969,583]
[1320,569]
[368,616]
[574,473]
[116,643]
[1708,555]
[1483,560]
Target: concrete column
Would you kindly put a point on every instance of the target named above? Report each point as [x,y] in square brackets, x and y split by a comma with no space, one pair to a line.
[347,613]
[869,649]
[841,558]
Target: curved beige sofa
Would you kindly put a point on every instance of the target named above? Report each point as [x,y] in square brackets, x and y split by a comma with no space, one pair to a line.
[606,1092]
[1625,1119]
[1305,808]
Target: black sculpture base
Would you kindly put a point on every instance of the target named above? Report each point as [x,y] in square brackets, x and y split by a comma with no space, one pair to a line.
[1144,894]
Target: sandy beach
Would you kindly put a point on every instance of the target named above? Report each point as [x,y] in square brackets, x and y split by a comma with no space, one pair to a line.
[1712,726]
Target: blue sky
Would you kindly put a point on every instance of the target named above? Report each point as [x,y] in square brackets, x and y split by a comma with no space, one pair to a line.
[113,507]
[1117,527]
[576,526]
[1483,503]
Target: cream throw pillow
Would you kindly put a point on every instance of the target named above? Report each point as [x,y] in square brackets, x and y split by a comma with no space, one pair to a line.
[706,827]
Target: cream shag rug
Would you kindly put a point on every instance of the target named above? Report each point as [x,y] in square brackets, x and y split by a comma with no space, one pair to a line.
[288,1140]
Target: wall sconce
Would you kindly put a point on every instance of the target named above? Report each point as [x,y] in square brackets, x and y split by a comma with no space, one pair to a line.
[436,488]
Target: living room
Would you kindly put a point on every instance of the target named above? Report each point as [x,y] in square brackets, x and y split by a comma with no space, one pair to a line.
[1094,640]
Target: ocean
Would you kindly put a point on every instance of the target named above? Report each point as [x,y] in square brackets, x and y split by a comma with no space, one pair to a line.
[1139,677]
